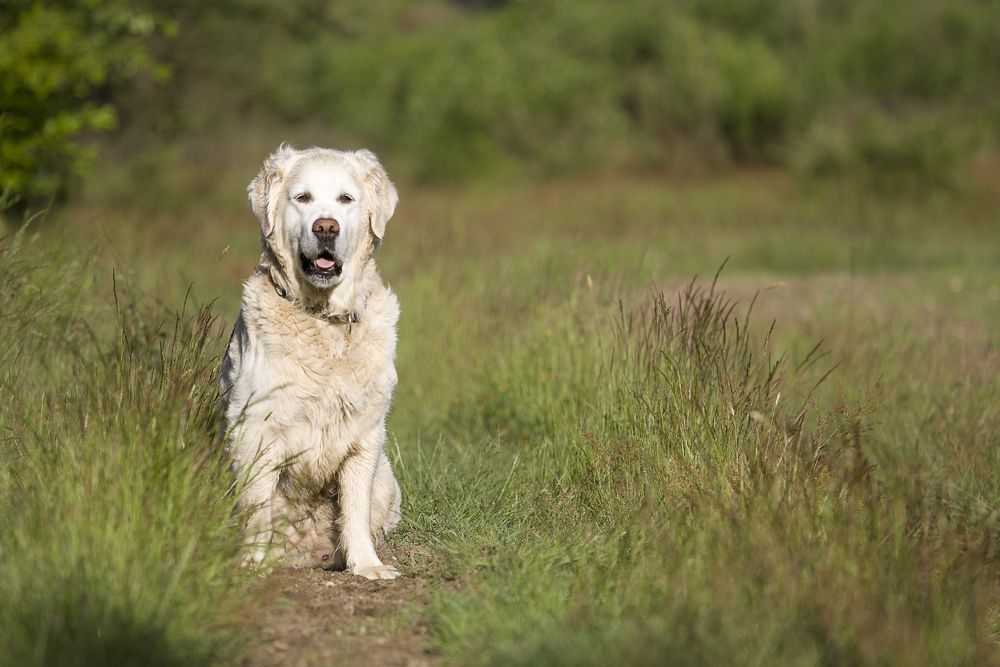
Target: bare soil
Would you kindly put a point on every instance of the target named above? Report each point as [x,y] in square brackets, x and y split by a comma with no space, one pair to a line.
[335,618]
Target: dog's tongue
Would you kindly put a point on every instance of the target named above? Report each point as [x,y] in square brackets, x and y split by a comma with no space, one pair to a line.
[324,263]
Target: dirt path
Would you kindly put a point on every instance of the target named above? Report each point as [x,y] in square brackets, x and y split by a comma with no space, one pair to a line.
[334,618]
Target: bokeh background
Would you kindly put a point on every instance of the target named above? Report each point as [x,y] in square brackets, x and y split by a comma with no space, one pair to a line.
[896,94]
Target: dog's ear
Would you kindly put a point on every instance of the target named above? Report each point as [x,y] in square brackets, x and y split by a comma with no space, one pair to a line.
[382,196]
[264,192]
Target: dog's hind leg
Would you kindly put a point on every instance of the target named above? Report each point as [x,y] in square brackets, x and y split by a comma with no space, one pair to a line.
[264,505]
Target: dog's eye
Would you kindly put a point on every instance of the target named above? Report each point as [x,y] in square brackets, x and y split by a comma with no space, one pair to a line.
[303,198]
[345,198]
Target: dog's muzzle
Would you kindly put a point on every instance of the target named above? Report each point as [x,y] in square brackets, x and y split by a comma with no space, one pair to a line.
[325,265]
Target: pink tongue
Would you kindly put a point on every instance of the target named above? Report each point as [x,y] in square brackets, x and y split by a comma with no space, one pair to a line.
[324,263]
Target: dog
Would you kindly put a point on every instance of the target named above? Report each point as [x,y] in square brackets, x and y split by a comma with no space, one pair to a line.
[308,376]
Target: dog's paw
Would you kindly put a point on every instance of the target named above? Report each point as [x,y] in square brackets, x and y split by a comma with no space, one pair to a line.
[376,571]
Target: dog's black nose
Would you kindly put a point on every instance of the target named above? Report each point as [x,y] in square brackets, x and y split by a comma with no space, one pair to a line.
[326,227]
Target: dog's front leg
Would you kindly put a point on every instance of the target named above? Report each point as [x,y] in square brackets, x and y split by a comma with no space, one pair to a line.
[357,477]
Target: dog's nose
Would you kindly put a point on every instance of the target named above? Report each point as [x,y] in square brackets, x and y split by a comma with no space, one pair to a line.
[326,227]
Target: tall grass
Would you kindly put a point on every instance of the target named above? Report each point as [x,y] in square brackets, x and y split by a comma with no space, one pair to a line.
[594,470]
[116,545]
[676,493]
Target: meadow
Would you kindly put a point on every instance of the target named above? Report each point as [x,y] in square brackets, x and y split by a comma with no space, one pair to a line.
[742,420]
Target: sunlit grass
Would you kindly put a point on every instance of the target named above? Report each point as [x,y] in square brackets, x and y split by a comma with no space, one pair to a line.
[117,546]
[706,507]
[600,462]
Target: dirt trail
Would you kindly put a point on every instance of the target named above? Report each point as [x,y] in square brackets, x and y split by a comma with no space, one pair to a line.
[334,618]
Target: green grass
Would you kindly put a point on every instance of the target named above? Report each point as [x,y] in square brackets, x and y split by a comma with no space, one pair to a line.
[618,482]
[117,547]
[602,463]
[686,517]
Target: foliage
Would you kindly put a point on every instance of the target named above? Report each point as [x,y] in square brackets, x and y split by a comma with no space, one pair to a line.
[896,94]
[587,85]
[702,508]
[891,152]
[60,61]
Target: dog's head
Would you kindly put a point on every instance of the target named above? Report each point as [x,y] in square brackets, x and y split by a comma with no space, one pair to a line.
[322,211]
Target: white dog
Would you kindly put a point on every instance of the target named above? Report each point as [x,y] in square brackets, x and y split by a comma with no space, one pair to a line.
[308,376]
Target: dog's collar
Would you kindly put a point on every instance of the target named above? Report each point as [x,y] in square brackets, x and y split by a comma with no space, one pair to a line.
[336,318]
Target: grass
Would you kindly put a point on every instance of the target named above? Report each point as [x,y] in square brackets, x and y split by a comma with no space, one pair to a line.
[703,524]
[602,462]
[117,548]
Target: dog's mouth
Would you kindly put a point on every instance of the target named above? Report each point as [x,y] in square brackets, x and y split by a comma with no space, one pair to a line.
[324,266]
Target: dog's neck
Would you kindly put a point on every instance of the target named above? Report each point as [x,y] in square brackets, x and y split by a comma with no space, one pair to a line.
[344,303]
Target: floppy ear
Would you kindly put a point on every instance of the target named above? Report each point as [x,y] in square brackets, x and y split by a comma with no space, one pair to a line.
[382,196]
[264,192]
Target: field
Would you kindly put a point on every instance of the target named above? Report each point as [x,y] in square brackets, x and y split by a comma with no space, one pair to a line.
[730,420]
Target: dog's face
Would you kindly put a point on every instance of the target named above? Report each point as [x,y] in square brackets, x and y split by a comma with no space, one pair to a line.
[323,219]
[318,207]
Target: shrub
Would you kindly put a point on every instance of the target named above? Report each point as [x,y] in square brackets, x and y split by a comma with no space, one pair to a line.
[584,86]
[58,62]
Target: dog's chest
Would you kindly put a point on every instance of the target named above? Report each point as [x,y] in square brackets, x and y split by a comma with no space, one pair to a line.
[332,370]
[332,361]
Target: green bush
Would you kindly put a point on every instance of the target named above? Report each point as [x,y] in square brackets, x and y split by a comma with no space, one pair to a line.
[452,90]
[587,86]
[570,86]
[58,63]
[890,153]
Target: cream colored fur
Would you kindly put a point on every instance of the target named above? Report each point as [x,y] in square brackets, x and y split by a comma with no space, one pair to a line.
[308,376]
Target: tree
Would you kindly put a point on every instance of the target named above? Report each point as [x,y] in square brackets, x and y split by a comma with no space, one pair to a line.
[60,62]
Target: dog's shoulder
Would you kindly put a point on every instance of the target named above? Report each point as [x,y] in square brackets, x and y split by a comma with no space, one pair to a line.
[261,301]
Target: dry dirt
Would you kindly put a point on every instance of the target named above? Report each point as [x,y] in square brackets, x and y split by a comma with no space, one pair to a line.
[335,618]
